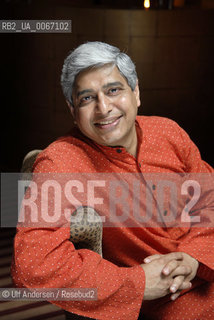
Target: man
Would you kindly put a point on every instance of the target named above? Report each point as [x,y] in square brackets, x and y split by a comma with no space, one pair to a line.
[152,269]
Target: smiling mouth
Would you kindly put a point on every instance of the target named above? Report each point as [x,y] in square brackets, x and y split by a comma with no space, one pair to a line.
[107,123]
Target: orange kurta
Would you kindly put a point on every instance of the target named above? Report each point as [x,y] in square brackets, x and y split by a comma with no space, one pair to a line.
[46,257]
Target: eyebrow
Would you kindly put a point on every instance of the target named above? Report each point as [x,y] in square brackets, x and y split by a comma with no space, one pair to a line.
[110,84]
[106,86]
[80,93]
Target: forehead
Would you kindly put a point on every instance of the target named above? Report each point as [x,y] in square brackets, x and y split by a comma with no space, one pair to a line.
[95,78]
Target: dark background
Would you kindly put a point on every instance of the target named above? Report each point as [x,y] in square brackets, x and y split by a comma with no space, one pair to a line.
[173,51]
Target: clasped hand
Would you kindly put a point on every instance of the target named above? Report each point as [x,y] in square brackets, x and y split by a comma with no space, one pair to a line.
[169,273]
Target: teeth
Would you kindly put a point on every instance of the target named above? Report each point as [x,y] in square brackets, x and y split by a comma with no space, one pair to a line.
[106,122]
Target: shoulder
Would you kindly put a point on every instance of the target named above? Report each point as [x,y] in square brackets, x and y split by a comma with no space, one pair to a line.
[164,136]
[156,123]
[67,144]
[160,128]
[66,154]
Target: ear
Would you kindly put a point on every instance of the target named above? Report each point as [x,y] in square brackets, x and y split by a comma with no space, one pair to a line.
[71,107]
[137,94]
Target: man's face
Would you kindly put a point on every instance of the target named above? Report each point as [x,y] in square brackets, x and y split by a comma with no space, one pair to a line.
[105,107]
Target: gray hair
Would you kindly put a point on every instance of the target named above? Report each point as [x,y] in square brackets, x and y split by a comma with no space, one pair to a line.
[95,55]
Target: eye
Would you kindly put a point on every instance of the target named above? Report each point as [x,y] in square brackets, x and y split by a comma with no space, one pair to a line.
[113,91]
[85,100]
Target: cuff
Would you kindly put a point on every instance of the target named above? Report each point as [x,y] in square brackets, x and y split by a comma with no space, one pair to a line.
[135,283]
[205,272]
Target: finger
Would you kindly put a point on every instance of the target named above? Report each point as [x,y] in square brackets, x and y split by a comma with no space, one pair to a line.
[179,283]
[175,295]
[167,257]
[170,267]
[174,255]
[151,258]
[181,270]
[185,285]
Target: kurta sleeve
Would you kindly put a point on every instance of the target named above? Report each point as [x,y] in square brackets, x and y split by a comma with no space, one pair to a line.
[199,241]
[44,257]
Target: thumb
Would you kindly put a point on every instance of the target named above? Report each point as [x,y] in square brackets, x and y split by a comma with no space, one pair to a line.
[152,258]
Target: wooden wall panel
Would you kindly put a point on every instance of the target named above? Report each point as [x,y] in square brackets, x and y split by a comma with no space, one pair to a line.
[173,52]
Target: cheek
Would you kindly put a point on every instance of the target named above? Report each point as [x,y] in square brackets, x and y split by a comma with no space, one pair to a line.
[123,102]
[83,119]
[127,104]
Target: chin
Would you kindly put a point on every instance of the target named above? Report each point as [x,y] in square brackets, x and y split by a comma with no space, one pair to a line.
[111,141]
[114,144]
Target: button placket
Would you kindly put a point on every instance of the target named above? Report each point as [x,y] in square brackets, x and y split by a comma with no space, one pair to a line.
[140,163]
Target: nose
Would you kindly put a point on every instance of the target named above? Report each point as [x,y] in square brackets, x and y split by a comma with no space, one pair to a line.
[103,104]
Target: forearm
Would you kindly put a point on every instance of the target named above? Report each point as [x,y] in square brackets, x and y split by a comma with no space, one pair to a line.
[199,245]
[47,259]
